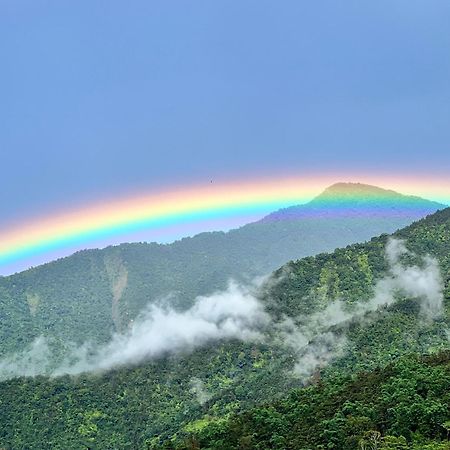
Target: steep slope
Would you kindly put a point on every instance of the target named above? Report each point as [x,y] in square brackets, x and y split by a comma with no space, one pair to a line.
[95,293]
[178,395]
[403,406]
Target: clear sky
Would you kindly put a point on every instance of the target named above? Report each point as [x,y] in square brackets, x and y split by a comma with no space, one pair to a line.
[100,98]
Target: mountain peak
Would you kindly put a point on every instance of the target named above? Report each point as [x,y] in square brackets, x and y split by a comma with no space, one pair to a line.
[345,199]
[345,190]
[357,193]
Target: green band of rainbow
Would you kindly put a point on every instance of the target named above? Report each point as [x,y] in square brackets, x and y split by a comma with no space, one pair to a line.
[110,220]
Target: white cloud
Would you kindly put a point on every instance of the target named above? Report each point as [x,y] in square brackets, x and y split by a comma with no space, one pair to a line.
[236,313]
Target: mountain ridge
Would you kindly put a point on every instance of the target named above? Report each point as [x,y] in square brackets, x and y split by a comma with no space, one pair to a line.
[154,403]
[95,293]
[350,196]
[346,190]
[352,188]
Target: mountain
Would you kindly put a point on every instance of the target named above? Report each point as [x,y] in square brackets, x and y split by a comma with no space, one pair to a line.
[94,293]
[356,199]
[363,308]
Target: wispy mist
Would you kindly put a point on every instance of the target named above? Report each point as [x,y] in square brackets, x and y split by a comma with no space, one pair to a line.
[197,387]
[237,313]
[320,337]
[34,360]
[234,313]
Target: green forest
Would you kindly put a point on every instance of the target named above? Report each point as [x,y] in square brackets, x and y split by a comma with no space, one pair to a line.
[388,388]
[94,293]
[225,225]
[405,405]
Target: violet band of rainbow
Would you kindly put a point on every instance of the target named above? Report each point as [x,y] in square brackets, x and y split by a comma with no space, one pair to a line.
[156,211]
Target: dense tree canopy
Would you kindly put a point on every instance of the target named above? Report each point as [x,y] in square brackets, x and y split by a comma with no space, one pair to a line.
[245,395]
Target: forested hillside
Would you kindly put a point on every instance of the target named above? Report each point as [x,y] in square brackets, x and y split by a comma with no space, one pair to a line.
[95,293]
[224,225]
[405,405]
[190,399]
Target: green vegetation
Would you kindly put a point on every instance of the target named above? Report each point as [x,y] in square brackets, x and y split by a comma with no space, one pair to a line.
[94,293]
[405,405]
[247,395]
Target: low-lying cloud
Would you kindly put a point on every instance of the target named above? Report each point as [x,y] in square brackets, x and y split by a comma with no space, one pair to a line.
[237,313]
[33,361]
[234,313]
[320,337]
[197,387]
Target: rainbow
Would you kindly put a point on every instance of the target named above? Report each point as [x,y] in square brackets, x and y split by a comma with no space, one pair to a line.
[179,212]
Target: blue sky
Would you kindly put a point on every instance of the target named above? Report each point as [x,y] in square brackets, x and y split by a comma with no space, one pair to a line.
[98,98]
